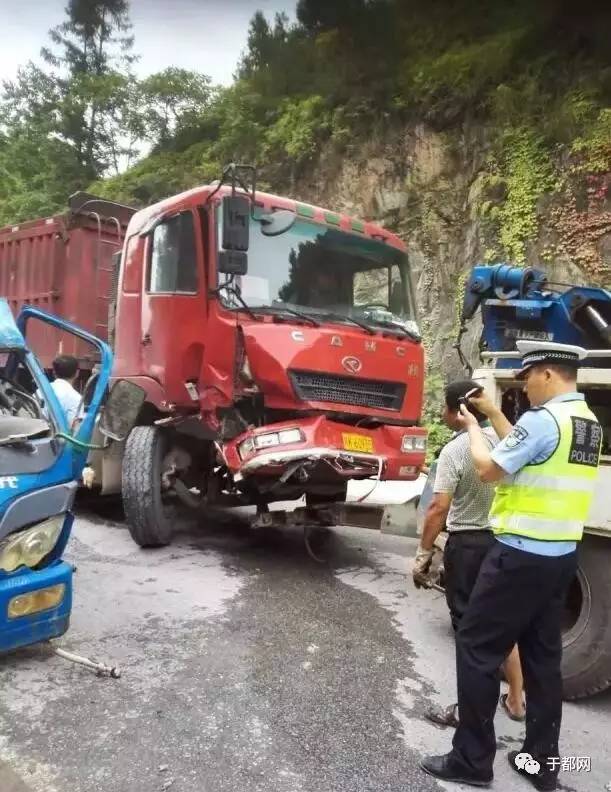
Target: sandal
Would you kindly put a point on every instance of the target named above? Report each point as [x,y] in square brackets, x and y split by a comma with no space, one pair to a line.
[441,716]
[503,703]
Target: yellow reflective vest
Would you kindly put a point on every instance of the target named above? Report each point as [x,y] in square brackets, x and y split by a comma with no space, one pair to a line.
[551,500]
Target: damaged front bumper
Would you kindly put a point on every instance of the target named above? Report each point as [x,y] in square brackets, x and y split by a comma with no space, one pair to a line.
[42,624]
[344,450]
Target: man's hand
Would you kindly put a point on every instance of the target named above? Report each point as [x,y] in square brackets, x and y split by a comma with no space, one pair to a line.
[487,407]
[466,418]
[483,403]
[422,563]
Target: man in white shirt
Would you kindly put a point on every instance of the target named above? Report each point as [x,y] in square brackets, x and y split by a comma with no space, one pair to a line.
[461,503]
[65,368]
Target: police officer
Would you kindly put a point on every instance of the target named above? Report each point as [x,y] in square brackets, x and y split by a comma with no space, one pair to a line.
[546,466]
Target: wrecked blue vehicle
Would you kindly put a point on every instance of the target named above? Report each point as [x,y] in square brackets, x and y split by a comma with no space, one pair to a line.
[41,461]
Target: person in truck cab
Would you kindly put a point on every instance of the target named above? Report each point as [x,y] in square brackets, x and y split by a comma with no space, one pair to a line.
[461,504]
[546,467]
[323,289]
[65,368]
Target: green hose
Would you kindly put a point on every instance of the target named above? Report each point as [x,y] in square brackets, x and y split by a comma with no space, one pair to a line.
[80,443]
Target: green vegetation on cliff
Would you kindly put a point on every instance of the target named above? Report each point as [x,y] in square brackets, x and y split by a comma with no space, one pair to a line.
[517,95]
[537,75]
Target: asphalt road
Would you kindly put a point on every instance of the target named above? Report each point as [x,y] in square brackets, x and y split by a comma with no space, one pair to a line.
[247,667]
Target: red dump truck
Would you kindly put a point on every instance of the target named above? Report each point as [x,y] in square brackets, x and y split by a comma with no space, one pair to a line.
[64,265]
[276,343]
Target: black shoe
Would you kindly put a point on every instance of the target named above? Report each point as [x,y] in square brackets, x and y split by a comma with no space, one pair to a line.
[445,768]
[543,781]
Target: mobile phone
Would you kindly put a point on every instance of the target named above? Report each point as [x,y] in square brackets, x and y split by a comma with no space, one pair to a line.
[473,392]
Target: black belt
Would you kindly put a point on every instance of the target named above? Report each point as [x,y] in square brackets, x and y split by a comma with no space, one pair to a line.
[470,532]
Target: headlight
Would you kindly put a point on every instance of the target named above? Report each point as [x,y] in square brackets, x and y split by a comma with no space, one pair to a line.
[29,547]
[413,443]
[36,601]
[269,439]
[290,436]
[246,448]
[266,440]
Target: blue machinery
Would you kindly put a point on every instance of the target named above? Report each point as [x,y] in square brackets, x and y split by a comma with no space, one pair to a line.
[521,302]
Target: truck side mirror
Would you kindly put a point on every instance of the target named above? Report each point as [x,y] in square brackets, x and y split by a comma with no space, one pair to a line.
[121,409]
[236,222]
[233,262]
[278,222]
[233,259]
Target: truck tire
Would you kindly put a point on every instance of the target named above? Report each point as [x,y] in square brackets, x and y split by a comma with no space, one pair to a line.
[141,487]
[586,661]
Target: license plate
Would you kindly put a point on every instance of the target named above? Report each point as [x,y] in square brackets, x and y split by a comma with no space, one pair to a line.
[357,442]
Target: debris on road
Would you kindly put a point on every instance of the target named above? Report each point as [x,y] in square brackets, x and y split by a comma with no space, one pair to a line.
[101,668]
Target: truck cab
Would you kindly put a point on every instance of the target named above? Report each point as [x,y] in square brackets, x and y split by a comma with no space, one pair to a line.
[278,347]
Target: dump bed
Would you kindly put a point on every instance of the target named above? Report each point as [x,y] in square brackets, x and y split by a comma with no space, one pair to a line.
[64,265]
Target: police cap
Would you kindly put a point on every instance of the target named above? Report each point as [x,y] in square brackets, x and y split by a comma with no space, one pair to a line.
[536,352]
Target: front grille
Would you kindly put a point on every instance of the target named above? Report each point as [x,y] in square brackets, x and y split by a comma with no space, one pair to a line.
[316,387]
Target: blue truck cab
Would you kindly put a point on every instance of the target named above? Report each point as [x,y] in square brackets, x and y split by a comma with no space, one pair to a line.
[41,461]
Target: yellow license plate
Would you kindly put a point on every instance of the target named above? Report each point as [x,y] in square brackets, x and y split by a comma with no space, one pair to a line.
[357,442]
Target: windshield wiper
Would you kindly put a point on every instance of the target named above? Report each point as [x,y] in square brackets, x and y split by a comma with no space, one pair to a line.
[231,289]
[286,309]
[396,326]
[345,318]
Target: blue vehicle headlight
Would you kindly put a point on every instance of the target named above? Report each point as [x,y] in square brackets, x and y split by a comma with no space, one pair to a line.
[29,547]
[36,601]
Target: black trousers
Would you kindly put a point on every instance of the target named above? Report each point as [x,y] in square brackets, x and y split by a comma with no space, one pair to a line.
[462,558]
[518,598]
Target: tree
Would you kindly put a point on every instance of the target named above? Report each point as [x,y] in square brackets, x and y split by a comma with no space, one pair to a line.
[121,123]
[37,173]
[93,46]
[273,63]
[173,100]
[318,15]
[74,119]
[297,133]
[38,169]
[32,98]
[264,44]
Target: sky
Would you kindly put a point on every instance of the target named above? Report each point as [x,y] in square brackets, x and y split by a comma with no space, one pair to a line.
[202,35]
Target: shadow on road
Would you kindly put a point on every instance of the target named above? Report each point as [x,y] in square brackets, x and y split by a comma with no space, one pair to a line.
[229,531]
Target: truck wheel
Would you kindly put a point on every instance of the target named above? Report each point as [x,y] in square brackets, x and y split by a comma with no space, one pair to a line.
[145,513]
[586,661]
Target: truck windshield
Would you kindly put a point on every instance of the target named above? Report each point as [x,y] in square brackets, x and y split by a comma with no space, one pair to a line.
[318,270]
